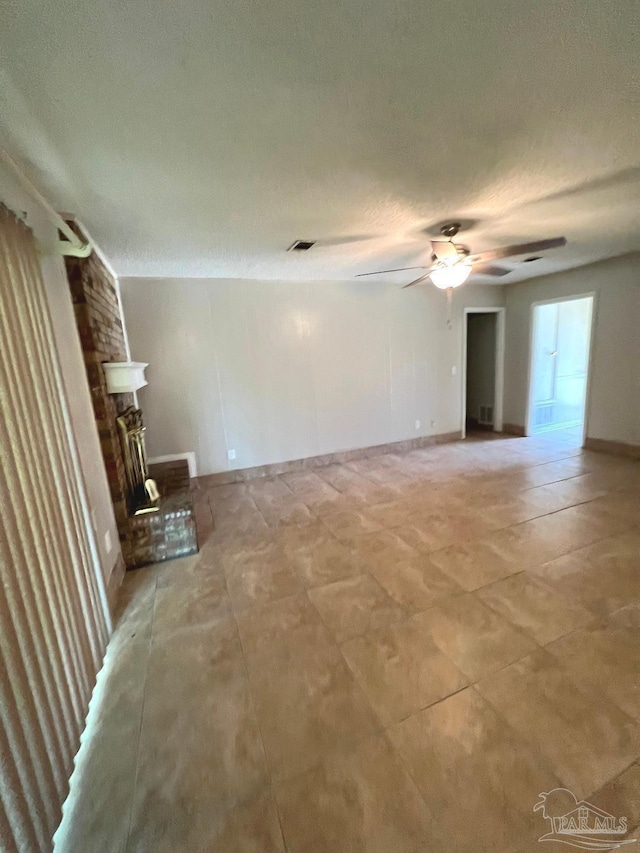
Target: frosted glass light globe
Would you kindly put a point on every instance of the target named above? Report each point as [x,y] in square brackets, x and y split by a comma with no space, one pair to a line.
[453,276]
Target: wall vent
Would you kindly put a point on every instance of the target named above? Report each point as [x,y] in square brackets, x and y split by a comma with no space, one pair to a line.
[486,415]
[301,246]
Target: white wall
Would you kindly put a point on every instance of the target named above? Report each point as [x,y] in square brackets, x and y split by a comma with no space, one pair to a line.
[72,366]
[285,370]
[613,409]
[481,362]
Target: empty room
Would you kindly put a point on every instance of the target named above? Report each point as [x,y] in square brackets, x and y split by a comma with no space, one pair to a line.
[319,427]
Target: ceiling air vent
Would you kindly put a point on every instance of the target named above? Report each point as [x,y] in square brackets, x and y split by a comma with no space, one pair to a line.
[301,246]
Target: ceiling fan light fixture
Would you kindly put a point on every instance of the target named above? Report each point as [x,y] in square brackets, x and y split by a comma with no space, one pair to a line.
[450,276]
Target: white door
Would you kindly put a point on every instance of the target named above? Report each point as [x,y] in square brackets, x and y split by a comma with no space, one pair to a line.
[561,340]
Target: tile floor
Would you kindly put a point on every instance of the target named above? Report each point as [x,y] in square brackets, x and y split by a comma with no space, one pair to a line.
[395,654]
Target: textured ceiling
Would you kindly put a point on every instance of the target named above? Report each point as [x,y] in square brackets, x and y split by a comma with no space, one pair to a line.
[201,138]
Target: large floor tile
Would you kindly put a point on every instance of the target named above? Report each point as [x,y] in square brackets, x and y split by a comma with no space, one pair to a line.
[362,800]
[603,577]
[614,513]
[475,564]
[284,511]
[375,495]
[415,583]
[309,487]
[621,798]
[247,549]
[319,557]
[393,513]
[343,478]
[256,582]
[383,548]
[401,669]
[134,608]
[549,536]
[96,812]
[200,746]
[252,826]
[335,503]
[545,499]
[243,524]
[353,606]
[268,489]
[606,654]
[479,778]
[584,739]
[203,600]
[539,609]
[478,640]
[350,523]
[433,531]
[307,700]
[279,629]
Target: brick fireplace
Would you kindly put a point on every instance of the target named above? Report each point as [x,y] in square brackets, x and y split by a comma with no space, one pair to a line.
[171,531]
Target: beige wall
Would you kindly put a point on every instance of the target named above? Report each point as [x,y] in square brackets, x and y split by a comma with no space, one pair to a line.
[613,408]
[74,377]
[284,370]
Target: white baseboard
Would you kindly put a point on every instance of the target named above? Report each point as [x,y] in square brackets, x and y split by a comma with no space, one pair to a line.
[190,456]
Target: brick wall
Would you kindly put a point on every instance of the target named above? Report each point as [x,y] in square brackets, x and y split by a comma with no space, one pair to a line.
[98,318]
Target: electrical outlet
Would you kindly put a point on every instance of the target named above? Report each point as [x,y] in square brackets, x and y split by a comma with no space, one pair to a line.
[231,454]
[433,423]
[417,424]
[454,370]
[107,541]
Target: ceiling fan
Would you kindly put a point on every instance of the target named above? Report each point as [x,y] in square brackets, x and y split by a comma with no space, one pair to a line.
[451,264]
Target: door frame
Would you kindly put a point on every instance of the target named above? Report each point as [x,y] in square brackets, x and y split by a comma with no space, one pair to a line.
[528,429]
[498,403]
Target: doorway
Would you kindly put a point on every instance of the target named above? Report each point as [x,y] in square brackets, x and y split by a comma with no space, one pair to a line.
[559,367]
[483,360]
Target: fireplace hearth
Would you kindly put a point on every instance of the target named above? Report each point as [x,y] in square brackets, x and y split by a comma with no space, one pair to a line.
[161,522]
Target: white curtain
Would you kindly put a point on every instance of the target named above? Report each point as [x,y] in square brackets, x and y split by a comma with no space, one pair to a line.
[53,622]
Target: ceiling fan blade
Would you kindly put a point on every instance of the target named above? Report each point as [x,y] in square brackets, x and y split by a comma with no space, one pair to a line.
[417,280]
[400,269]
[490,269]
[520,249]
[444,250]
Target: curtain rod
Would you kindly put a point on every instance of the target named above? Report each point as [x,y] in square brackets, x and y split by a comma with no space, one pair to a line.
[73,245]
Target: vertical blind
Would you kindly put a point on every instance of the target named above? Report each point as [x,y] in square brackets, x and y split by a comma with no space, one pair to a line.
[53,621]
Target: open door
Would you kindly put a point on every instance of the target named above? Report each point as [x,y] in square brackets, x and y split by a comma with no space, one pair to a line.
[483,360]
[561,343]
